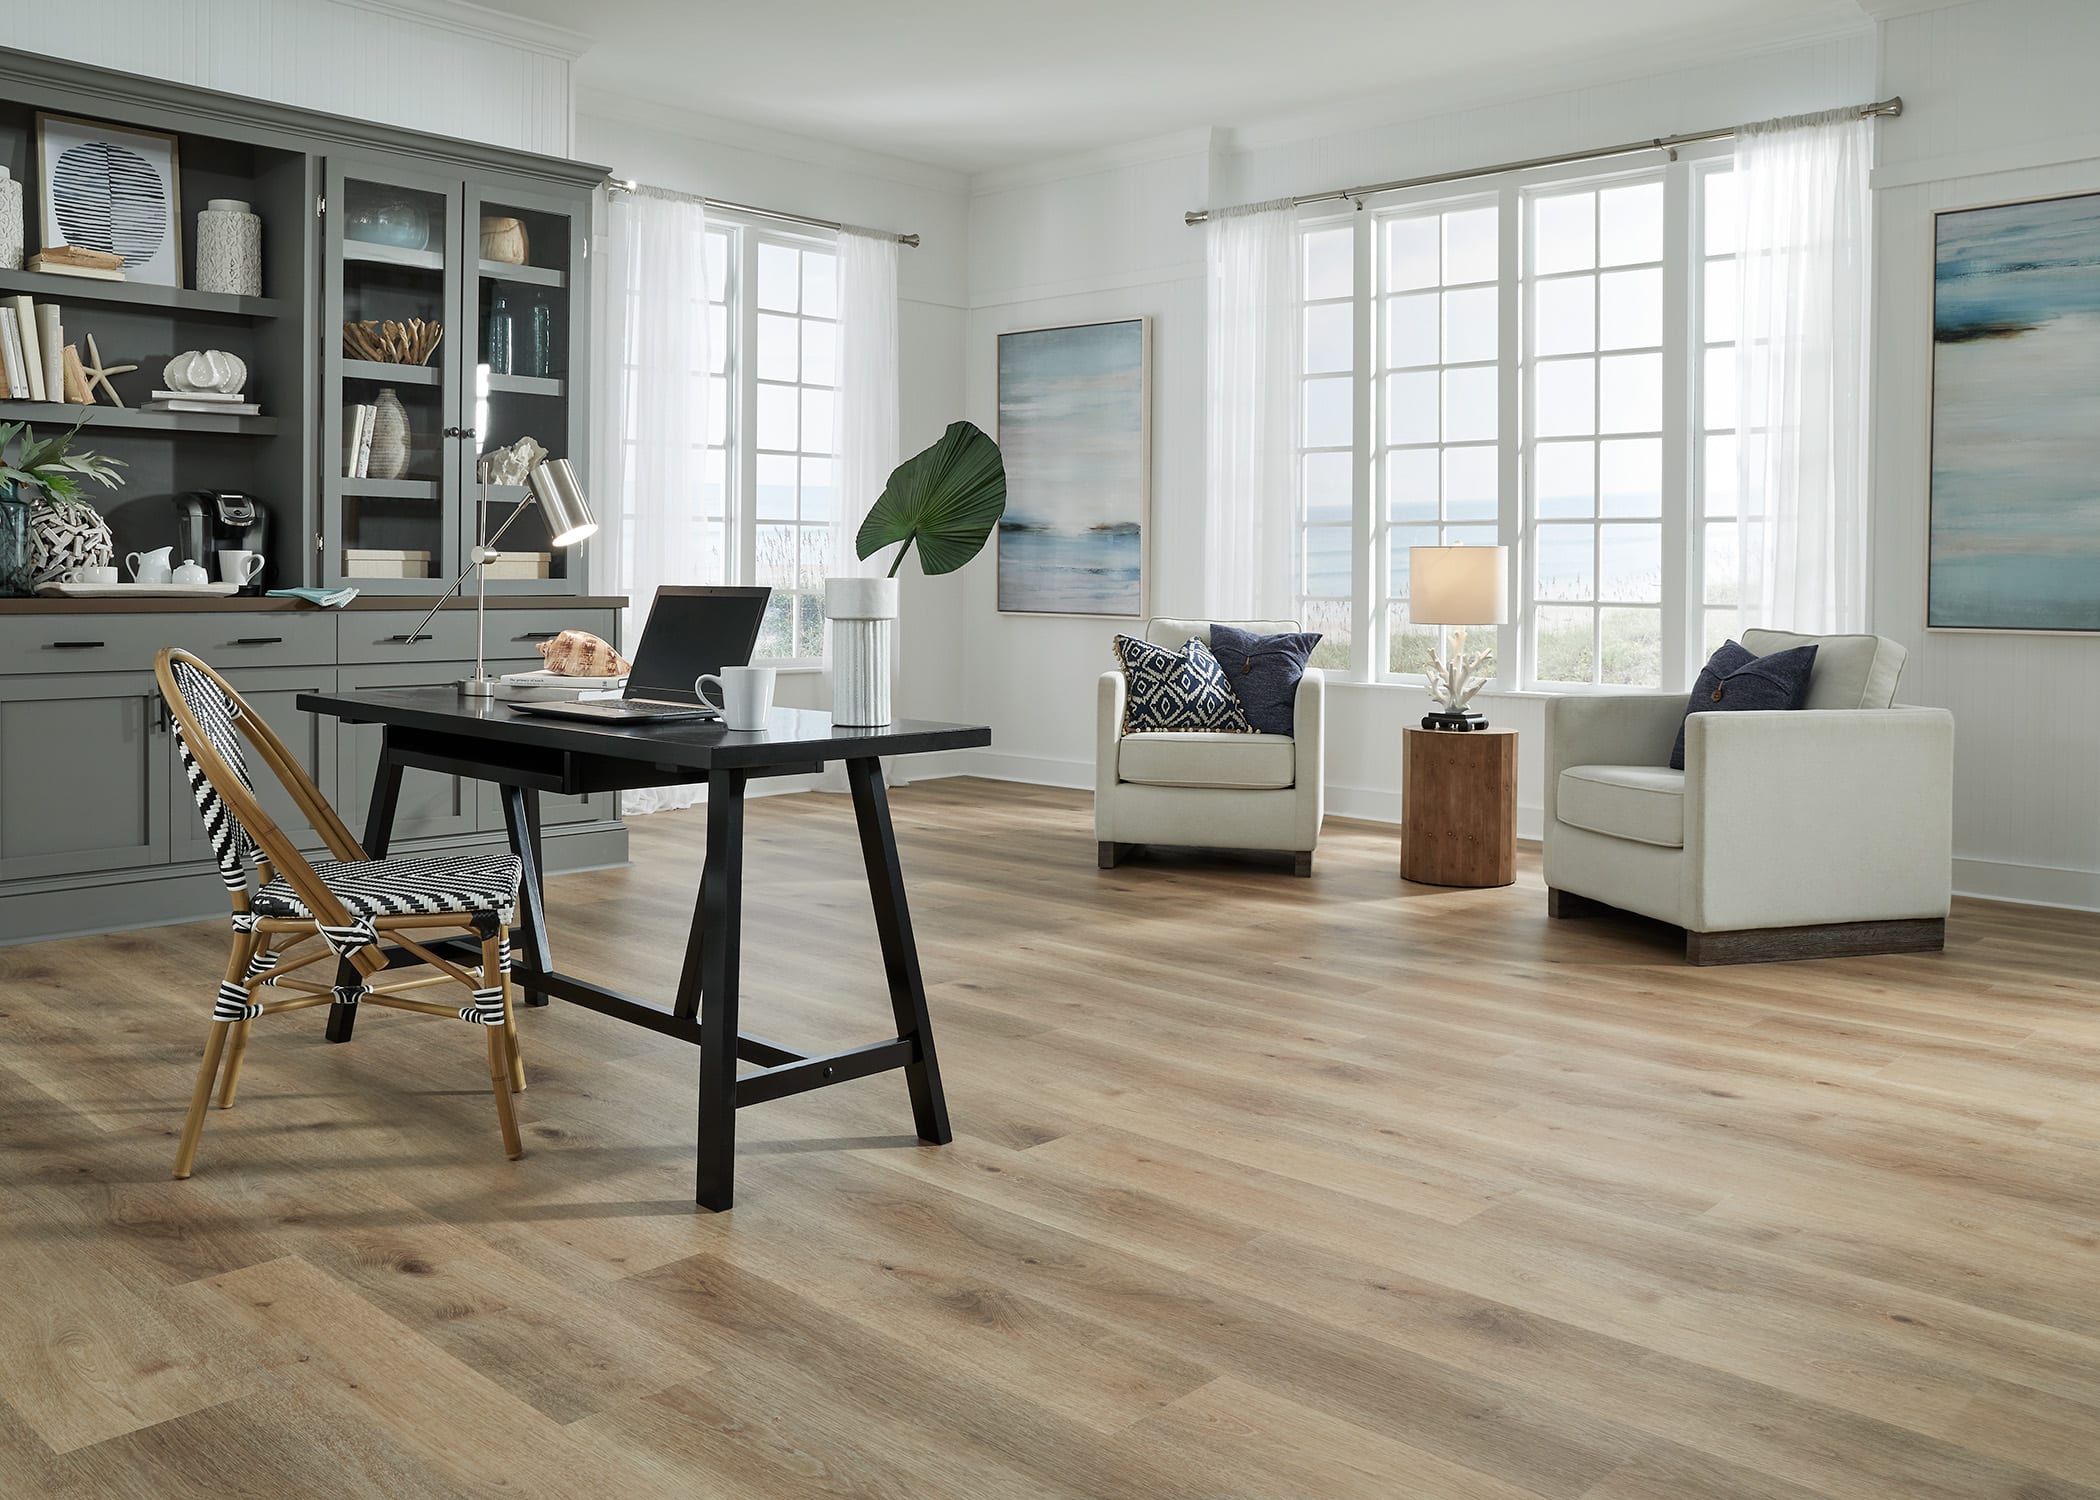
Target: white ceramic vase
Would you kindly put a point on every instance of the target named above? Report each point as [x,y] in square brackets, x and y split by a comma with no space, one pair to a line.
[389,436]
[863,615]
[229,248]
[10,222]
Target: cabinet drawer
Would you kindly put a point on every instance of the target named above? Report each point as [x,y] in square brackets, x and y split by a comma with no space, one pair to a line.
[515,633]
[382,636]
[128,642]
[243,639]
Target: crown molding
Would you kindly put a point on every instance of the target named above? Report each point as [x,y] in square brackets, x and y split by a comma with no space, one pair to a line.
[1890,10]
[484,24]
[1563,75]
[692,124]
[1195,141]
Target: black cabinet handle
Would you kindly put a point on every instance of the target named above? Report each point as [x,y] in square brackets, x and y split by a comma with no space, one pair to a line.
[537,635]
[76,645]
[258,640]
[406,640]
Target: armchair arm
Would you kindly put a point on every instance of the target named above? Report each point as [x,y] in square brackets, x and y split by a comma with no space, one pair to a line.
[1810,816]
[1109,697]
[1607,729]
[1309,731]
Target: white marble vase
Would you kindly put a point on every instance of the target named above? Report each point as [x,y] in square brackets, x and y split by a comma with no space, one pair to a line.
[229,248]
[863,615]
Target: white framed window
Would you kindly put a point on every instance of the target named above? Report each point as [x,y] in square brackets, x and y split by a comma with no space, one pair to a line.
[1721,529]
[1323,570]
[1436,404]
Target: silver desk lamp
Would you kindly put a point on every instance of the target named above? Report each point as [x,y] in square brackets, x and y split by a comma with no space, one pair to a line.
[553,484]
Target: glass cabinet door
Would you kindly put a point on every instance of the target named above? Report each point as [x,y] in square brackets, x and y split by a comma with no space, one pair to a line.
[529,352]
[391,370]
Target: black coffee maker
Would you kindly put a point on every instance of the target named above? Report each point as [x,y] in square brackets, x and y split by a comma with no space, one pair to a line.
[208,522]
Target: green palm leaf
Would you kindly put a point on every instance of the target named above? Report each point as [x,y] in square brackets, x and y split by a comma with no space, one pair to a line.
[947,499]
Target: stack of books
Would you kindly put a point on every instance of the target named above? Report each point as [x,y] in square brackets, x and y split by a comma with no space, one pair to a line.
[70,260]
[357,441]
[32,350]
[224,403]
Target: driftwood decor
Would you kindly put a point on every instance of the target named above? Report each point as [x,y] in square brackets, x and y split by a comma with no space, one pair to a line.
[392,343]
[504,240]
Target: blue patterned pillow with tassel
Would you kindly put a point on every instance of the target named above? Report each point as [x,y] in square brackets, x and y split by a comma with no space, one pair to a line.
[1177,690]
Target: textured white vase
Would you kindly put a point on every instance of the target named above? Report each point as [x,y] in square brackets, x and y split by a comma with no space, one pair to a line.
[10,222]
[389,436]
[229,248]
[863,615]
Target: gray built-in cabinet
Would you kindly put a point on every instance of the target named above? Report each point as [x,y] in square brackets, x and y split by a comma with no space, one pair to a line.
[97,829]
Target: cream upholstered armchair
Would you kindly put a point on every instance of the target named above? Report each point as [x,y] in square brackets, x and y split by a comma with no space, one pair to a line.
[1809,833]
[1210,791]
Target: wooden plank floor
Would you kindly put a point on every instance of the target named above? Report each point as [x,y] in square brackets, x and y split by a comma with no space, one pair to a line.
[1261,1187]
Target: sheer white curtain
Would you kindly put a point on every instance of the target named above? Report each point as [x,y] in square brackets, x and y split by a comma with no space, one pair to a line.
[650,419]
[865,411]
[1250,413]
[1802,257]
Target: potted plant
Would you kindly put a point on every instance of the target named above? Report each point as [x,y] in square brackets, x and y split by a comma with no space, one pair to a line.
[947,500]
[46,528]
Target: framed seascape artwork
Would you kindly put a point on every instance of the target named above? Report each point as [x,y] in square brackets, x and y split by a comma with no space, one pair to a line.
[104,187]
[2015,531]
[1075,428]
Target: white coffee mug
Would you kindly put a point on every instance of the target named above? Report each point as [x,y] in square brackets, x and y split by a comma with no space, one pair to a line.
[102,574]
[747,695]
[156,566]
[242,568]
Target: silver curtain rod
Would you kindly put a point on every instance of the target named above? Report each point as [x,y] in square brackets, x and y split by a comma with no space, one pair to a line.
[629,185]
[1890,107]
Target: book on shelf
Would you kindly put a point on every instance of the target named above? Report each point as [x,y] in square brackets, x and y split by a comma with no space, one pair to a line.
[215,408]
[32,350]
[234,397]
[363,470]
[353,438]
[51,337]
[11,356]
[50,267]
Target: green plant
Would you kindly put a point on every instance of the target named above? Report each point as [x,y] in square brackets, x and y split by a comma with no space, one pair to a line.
[50,465]
[947,499]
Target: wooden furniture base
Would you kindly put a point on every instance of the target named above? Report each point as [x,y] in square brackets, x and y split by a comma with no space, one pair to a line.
[1458,816]
[1772,945]
[1109,855]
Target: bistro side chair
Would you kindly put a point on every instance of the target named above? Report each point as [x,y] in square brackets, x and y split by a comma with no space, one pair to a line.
[348,904]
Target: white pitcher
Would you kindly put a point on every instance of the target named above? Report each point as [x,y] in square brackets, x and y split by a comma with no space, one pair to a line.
[151,567]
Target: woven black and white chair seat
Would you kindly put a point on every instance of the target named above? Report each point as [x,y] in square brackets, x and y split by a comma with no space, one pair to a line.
[412,885]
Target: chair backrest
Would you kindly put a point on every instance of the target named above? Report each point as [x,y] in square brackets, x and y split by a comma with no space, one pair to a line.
[1852,671]
[210,722]
[1165,630]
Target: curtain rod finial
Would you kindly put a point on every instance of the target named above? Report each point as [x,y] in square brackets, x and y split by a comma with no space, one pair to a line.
[1196,216]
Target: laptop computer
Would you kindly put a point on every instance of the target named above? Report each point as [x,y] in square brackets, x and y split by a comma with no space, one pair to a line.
[692,630]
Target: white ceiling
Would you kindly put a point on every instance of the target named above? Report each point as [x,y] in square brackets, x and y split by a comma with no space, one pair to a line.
[977,84]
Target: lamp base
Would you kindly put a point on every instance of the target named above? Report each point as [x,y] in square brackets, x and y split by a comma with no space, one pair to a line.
[1459,722]
[478,687]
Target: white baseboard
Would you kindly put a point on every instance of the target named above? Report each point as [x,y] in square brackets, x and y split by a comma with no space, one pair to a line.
[2028,885]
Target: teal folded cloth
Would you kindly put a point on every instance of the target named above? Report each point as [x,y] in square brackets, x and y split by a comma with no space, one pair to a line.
[325,598]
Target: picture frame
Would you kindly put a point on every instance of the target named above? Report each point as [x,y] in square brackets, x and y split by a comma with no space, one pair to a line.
[111,187]
[2012,535]
[1075,428]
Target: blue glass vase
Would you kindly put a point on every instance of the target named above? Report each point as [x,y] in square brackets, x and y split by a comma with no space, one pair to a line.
[14,543]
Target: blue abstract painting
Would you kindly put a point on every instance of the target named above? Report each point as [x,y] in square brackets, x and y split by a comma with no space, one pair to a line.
[1072,426]
[2016,417]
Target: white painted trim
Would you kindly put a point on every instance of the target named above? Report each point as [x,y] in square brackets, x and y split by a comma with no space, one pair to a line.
[692,124]
[2027,156]
[484,24]
[1890,10]
[1086,286]
[2027,885]
[1197,141]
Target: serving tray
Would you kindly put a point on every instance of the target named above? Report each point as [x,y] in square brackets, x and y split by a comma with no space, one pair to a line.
[136,590]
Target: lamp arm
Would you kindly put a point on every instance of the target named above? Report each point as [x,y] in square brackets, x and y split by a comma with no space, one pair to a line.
[476,561]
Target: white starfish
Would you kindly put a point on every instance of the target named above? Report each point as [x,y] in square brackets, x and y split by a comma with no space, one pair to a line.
[97,373]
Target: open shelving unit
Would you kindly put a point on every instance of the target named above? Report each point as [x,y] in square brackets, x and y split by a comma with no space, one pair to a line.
[56,286]
[131,419]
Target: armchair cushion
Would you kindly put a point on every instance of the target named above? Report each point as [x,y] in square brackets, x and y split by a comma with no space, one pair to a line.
[1244,762]
[1177,691]
[1264,671]
[1643,803]
[1738,680]
[1852,671]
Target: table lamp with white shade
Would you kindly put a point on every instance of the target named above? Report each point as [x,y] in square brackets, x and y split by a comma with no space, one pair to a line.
[1457,586]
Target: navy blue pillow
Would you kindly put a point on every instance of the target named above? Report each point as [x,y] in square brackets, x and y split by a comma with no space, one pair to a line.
[1264,671]
[1735,678]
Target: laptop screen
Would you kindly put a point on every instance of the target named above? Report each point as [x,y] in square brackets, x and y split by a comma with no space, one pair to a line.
[691,631]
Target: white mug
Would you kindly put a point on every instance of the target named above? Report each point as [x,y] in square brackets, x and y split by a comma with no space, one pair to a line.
[242,568]
[100,574]
[747,695]
[151,567]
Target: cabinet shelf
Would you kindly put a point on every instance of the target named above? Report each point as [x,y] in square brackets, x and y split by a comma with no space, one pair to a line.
[385,489]
[525,385]
[52,286]
[132,419]
[392,374]
[365,253]
[496,270]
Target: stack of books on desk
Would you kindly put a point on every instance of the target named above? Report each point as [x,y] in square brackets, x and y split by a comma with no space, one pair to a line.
[543,684]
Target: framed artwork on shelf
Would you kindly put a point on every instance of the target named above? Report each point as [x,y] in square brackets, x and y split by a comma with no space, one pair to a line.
[1075,429]
[2015,492]
[114,189]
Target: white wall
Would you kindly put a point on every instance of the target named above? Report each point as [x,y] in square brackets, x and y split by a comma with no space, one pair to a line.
[1103,238]
[1998,105]
[451,69]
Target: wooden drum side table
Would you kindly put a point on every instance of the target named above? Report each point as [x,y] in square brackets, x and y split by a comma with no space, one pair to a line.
[1458,815]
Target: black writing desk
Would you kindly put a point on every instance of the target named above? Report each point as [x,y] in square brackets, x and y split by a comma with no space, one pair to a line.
[439,729]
